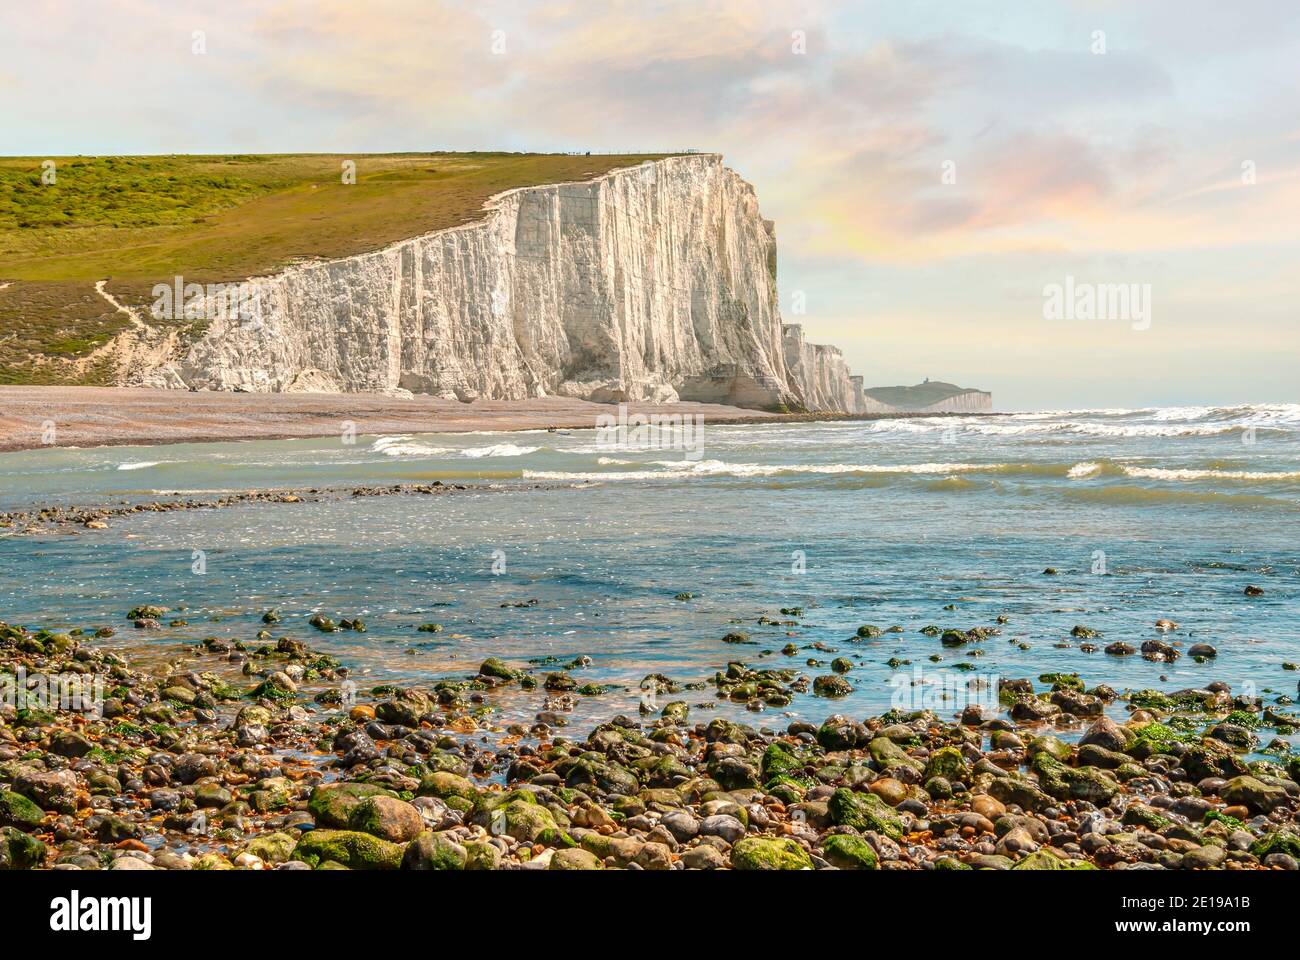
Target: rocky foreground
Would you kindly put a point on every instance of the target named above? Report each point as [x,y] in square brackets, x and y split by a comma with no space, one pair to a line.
[241,766]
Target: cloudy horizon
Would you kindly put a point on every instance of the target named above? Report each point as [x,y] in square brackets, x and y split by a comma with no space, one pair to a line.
[933,168]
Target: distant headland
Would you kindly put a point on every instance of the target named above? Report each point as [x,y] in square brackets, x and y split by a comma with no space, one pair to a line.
[929,396]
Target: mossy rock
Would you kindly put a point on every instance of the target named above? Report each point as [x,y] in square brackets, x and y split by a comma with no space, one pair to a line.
[1255,795]
[1054,747]
[766,853]
[1063,681]
[443,784]
[559,682]
[33,717]
[272,793]
[1210,758]
[660,798]
[1042,860]
[332,804]
[1141,815]
[388,818]
[1154,737]
[864,811]
[147,611]
[459,804]
[609,777]
[496,667]
[448,761]
[17,811]
[489,801]
[272,847]
[1281,841]
[357,851]
[662,770]
[888,754]
[482,856]
[991,861]
[849,852]
[524,821]
[434,851]
[948,763]
[574,859]
[831,685]
[1092,784]
[720,730]
[779,759]
[676,711]
[951,863]
[212,861]
[18,851]
[1019,790]
[787,789]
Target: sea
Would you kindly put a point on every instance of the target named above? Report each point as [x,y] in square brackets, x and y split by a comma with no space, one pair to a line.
[643,552]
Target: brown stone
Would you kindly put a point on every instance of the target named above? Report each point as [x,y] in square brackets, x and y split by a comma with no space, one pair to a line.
[892,791]
[988,807]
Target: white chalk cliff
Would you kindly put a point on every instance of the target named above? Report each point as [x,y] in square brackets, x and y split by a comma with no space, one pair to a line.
[655,282]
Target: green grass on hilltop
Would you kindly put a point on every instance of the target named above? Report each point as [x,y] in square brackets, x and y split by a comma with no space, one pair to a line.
[920,395]
[138,221]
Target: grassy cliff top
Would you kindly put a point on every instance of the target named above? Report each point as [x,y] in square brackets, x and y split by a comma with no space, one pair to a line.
[920,395]
[137,221]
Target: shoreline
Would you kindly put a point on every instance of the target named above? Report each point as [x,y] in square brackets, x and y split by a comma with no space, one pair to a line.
[262,754]
[44,518]
[135,416]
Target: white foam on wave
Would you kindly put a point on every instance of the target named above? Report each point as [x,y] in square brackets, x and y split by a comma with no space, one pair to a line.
[673,469]
[403,446]
[1164,473]
[1091,468]
[1150,422]
[985,428]
[140,464]
[499,450]
[1180,429]
[406,446]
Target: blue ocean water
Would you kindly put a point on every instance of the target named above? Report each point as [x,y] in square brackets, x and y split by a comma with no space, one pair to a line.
[946,521]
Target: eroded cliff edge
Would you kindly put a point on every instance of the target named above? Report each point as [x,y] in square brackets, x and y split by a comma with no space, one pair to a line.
[655,282]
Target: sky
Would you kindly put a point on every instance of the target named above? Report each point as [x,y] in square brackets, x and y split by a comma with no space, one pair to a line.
[934,169]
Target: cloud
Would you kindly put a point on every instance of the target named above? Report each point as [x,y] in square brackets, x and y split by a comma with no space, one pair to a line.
[1129,160]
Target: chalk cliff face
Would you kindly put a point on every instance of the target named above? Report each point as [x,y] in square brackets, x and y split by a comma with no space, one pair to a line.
[657,282]
[819,374]
[972,401]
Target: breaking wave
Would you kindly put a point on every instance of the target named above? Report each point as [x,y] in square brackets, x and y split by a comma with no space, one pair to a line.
[672,469]
[499,450]
[406,447]
[1152,422]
